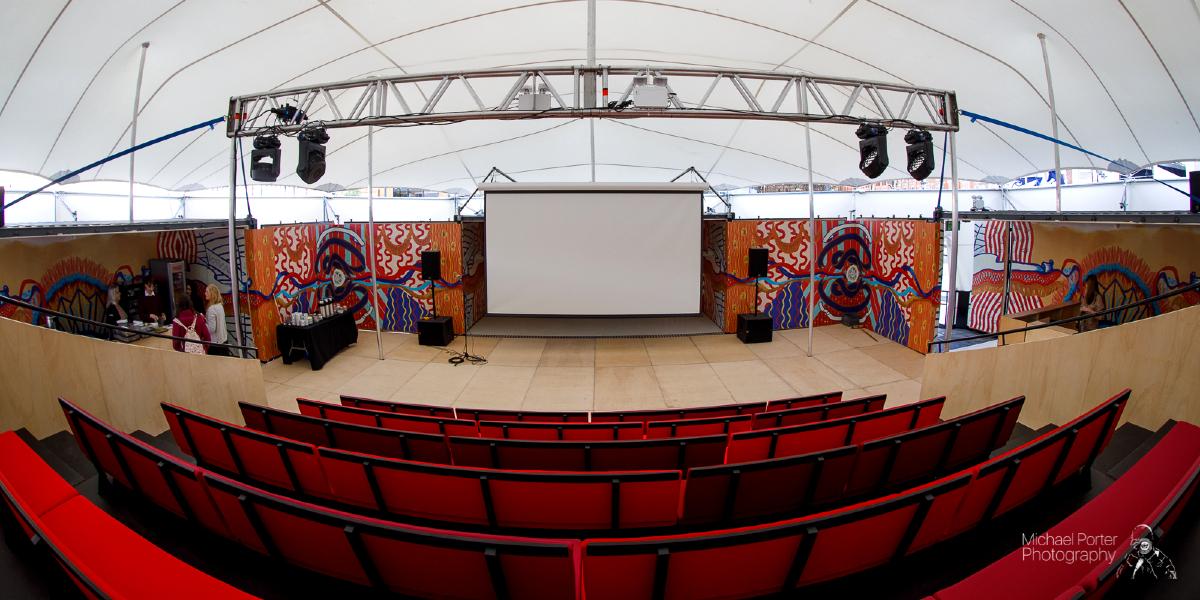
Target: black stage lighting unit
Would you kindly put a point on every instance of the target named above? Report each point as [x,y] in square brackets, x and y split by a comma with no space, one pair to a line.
[311,166]
[264,159]
[920,153]
[872,149]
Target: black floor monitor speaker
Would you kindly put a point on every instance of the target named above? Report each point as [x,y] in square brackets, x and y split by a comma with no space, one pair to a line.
[431,265]
[435,331]
[1194,184]
[758,262]
[754,329]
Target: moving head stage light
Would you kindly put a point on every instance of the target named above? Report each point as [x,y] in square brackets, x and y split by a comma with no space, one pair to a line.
[872,149]
[920,153]
[264,159]
[311,165]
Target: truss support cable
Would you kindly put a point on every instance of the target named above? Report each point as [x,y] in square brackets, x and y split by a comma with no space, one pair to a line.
[209,123]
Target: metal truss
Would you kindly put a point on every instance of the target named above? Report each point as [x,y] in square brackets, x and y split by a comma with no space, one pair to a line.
[1164,217]
[572,92]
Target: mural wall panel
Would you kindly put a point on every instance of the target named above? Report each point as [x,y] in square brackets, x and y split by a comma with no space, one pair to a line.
[1050,261]
[884,272]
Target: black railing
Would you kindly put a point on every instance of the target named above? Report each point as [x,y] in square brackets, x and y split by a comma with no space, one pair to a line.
[1083,317]
[251,350]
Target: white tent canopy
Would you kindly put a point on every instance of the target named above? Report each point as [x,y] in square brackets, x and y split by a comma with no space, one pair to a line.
[1124,82]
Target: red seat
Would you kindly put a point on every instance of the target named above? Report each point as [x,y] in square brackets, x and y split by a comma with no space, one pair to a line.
[424,447]
[414,561]
[697,427]
[522,416]
[1009,480]
[101,556]
[396,421]
[269,460]
[764,559]
[444,412]
[622,455]
[820,412]
[1153,492]
[777,486]
[535,430]
[814,437]
[815,400]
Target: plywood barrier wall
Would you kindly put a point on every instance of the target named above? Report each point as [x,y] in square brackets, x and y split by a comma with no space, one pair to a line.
[120,383]
[1158,357]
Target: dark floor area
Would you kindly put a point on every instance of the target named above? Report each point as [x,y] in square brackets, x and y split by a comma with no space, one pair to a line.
[959,332]
[914,577]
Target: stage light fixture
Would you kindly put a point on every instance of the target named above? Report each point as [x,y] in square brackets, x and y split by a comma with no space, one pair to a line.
[264,159]
[311,165]
[872,149]
[920,153]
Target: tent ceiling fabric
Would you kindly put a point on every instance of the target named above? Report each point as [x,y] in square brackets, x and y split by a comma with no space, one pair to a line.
[1124,81]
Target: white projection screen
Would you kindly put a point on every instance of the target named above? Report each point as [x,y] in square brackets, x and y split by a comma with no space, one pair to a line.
[592,249]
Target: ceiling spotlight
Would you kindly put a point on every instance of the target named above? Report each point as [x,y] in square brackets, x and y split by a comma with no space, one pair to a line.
[872,149]
[264,159]
[920,153]
[311,166]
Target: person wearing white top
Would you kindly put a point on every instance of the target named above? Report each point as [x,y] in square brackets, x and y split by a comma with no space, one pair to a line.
[214,316]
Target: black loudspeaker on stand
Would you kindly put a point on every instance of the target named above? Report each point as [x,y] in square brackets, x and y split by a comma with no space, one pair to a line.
[434,330]
[753,328]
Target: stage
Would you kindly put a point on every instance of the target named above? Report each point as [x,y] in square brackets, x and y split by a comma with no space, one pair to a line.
[593,327]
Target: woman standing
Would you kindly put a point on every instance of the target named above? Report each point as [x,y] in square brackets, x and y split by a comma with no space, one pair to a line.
[214,316]
[189,325]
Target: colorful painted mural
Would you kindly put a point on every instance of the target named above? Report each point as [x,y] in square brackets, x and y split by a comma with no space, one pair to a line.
[72,274]
[712,270]
[884,272]
[292,267]
[474,273]
[1048,262]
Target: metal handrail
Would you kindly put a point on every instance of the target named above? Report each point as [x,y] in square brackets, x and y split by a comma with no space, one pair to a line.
[42,309]
[1175,292]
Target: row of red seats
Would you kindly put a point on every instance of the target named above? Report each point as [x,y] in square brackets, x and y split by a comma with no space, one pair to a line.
[814,410]
[615,455]
[589,500]
[741,562]
[643,416]
[1148,499]
[41,513]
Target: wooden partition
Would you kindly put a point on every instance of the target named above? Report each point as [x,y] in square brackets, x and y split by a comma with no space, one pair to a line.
[1158,357]
[119,383]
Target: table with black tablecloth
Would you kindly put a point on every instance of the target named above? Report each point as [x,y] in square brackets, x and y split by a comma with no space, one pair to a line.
[320,341]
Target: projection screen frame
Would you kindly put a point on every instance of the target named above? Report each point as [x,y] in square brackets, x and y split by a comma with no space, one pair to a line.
[601,188]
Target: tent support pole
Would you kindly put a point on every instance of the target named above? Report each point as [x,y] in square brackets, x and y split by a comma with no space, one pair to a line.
[812,240]
[1053,127]
[371,239]
[589,87]
[137,101]
[952,294]
[235,283]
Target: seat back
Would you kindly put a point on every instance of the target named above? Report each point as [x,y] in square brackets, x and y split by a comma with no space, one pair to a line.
[424,447]
[622,455]
[814,437]
[675,414]
[444,412]
[536,430]
[522,416]
[275,462]
[697,427]
[802,401]
[819,412]
[724,494]
[408,560]
[162,478]
[767,559]
[395,421]
[898,460]
[1011,479]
